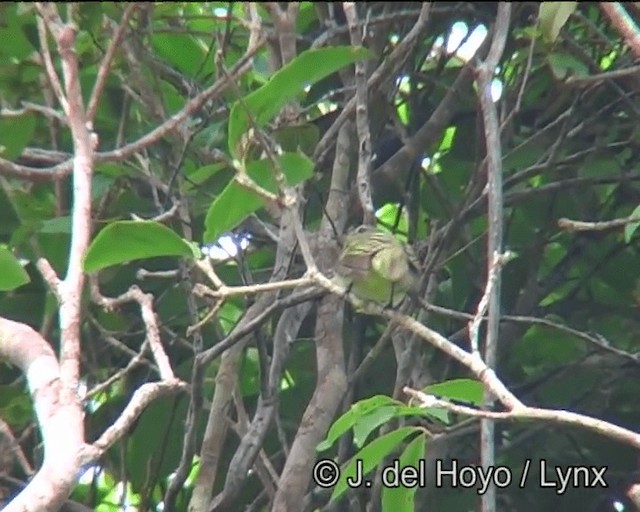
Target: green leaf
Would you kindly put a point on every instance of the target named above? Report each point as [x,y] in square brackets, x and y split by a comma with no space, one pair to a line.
[369,422]
[13,275]
[552,16]
[155,445]
[630,228]
[300,137]
[15,405]
[437,413]
[36,204]
[14,41]
[15,134]
[388,214]
[306,16]
[370,457]
[56,225]
[200,176]
[114,496]
[543,348]
[447,139]
[112,170]
[289,81]
[250,376]
[235,203]
[126,240]
[463,390]
[182,50]
[564,65]
[100,186]
[349,418]
[401,499]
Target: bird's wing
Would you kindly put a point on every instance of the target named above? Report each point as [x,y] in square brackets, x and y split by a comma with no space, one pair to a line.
[354,266]
[391,263]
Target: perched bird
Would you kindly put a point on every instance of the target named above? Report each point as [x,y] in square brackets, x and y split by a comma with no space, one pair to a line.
[376,266]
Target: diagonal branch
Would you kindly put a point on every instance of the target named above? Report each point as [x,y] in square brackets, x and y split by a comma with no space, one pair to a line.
[105,65]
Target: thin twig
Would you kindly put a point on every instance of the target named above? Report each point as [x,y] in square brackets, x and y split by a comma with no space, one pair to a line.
[225,292]
[134,362]
[362,118]
[101,77]
[205,319]
[52,75]
[145,301]
[577,225]
[496,265]
[27,106]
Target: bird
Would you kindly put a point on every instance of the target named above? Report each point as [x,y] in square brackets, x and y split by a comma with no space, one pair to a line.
[376,266]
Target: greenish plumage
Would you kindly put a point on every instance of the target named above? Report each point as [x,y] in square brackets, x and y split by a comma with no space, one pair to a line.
[376,266]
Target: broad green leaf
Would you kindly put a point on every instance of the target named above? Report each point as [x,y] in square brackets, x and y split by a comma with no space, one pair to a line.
[289,81]
[388,214]
[543,348]
[230,314]
[306,16]
[14,41]
[552,16]
[15,405]
[370,457]
[36,204]
[112,170]
[447,139]
[250,376]
[155,444]
[124,241]
[211,136]
[630,228]
[554,252]
[294,138]
[437,413]
[369,422]
[111,499]
[56,225]
[401,499]
[235,203]
[200,176]
[12,275]
[98,489]
[564,65]
[463,390]
[53,246]
[9,220]
[181,50]
[100,186]
[15,134]
[349,418]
